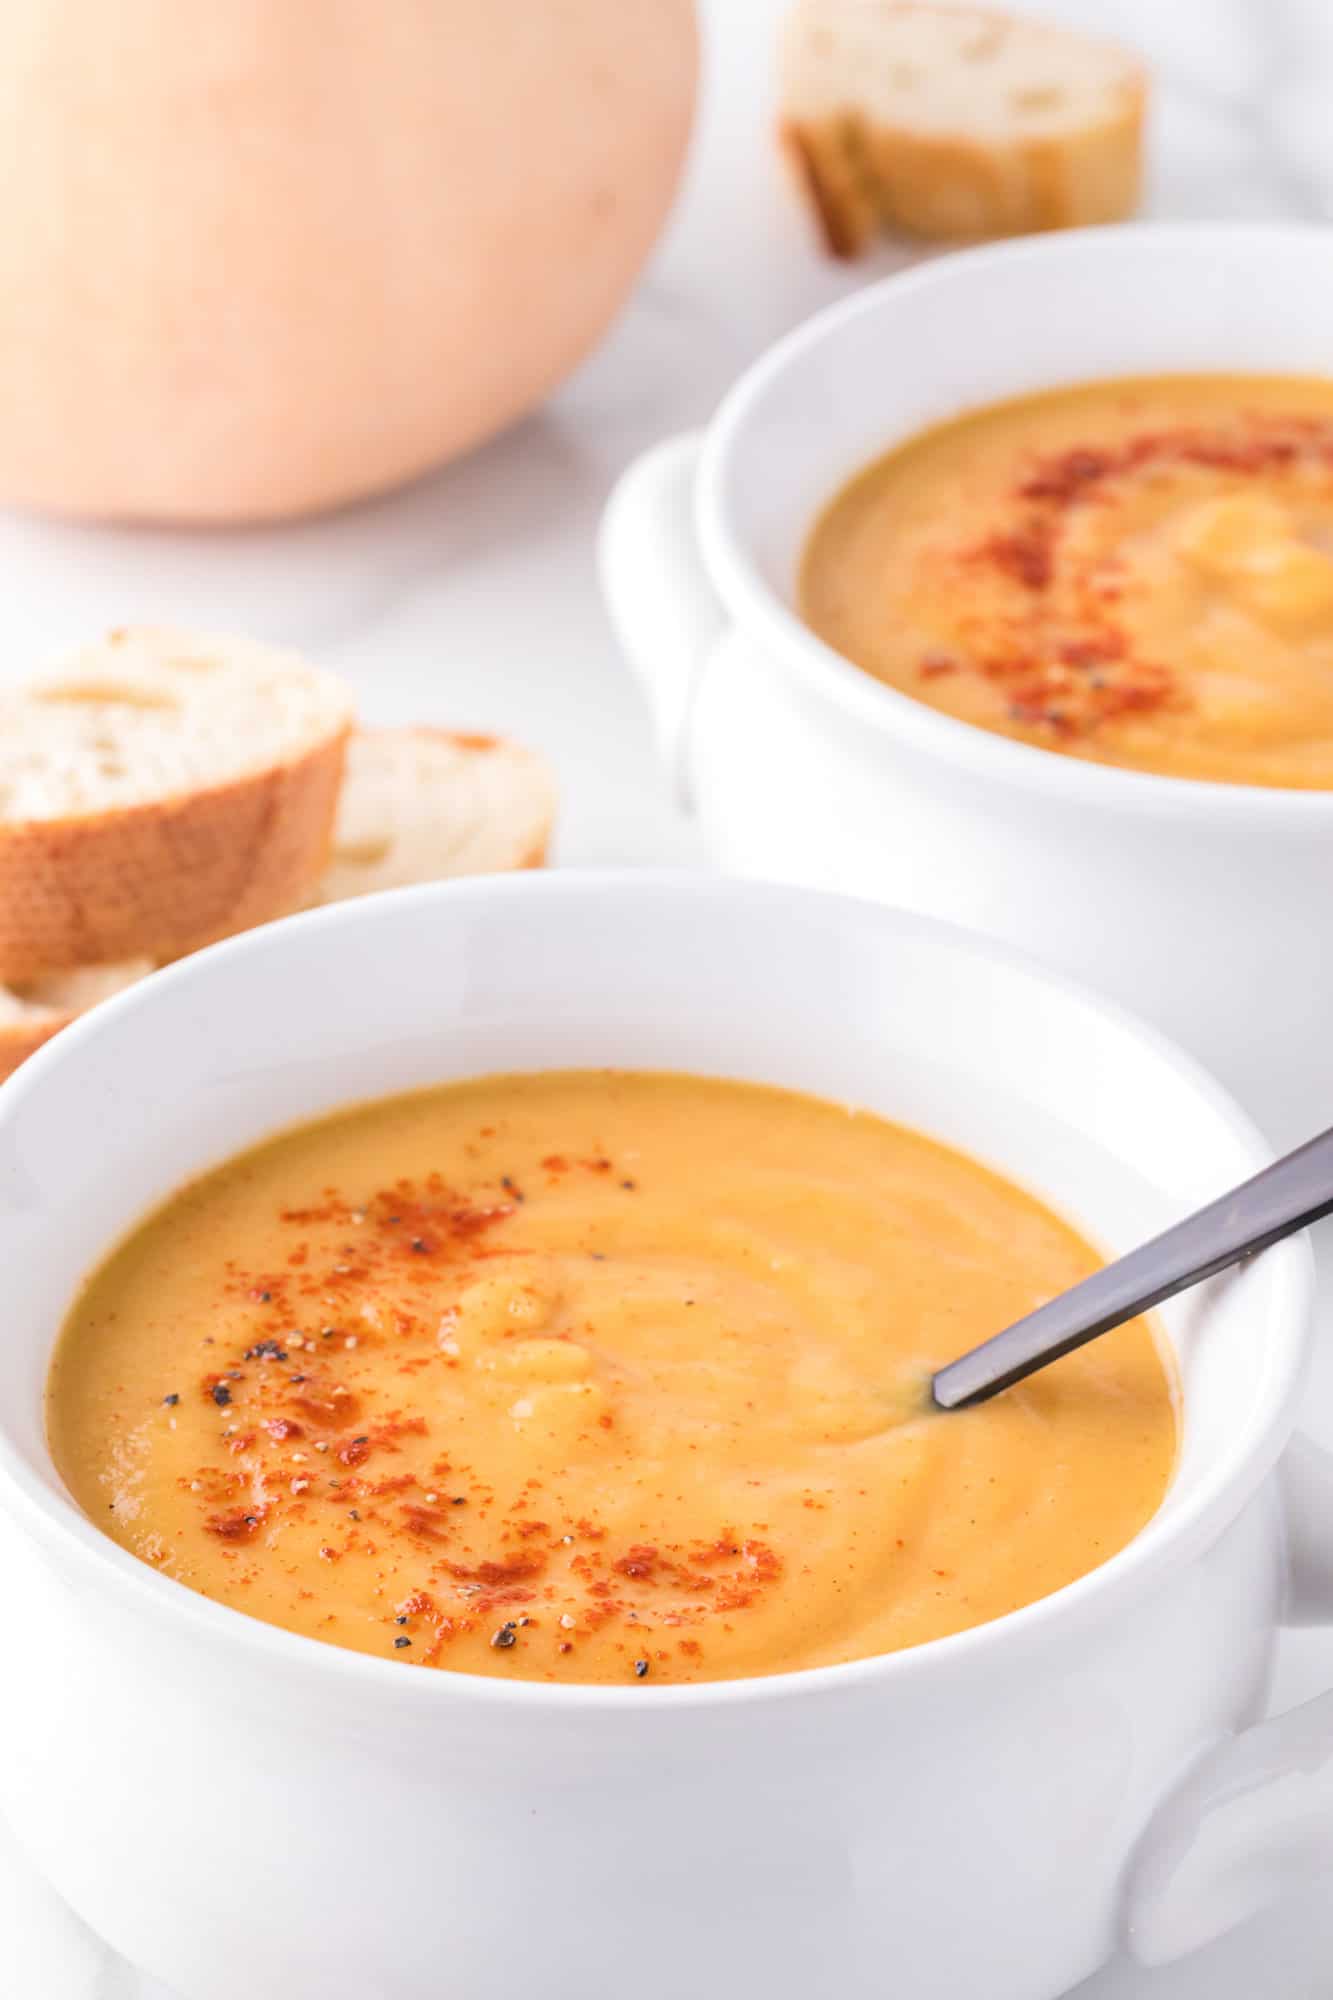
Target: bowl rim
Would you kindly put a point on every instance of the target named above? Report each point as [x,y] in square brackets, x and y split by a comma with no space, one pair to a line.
[872,703]
[55,1521]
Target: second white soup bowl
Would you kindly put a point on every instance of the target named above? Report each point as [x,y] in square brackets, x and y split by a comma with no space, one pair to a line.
[1205,906]
[994,1812]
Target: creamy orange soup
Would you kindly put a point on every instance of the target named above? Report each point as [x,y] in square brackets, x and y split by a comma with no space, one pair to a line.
[1138,573]
[601,1377]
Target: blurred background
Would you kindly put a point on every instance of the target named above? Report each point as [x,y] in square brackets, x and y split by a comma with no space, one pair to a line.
[469,597]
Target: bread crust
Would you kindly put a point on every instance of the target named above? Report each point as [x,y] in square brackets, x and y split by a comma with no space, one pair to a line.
[827,157]
[163,878]
[21,1039]
[863,173]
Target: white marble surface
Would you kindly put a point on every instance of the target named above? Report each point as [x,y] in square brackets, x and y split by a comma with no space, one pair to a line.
[470,599]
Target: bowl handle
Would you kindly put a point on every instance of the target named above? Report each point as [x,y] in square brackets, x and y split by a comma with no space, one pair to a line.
[662,605]
[1254,1816]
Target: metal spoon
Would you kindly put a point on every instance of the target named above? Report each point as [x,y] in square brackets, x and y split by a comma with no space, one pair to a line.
[1276,1203]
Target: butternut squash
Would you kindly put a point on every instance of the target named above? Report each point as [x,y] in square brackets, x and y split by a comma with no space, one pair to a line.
[268,256]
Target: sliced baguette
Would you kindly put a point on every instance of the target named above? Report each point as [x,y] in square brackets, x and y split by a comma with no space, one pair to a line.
[32,1014]
[419,805]
[158,791]
[956,121]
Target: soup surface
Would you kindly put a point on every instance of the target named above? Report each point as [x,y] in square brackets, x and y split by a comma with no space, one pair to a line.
[1138,572]
[600,1376]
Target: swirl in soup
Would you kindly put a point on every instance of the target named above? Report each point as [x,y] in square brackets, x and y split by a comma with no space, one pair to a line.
[1137,573]
[601,1376]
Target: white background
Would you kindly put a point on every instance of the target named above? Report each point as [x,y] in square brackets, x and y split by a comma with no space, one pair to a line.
[471,600]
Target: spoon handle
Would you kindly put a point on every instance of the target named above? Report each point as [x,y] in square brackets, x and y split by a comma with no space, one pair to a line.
[1282,1199]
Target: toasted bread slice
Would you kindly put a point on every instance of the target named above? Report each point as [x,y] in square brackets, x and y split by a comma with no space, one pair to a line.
[422,804]
[417,805]
[158,791]
[32,1014]
[956,121]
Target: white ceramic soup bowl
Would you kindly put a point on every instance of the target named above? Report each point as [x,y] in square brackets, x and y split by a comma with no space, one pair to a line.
[1204,906]
[995,1812]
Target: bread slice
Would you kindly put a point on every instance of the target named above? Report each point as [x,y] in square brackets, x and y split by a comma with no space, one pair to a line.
[419,805]
[160,790]
[31,1015]
[956,121]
